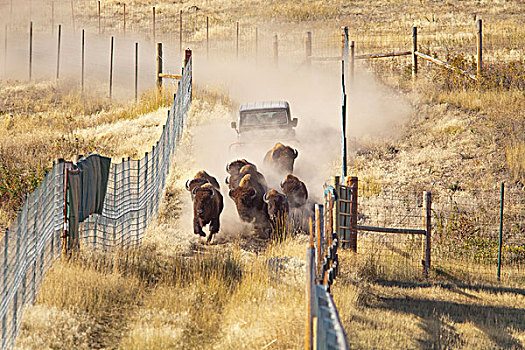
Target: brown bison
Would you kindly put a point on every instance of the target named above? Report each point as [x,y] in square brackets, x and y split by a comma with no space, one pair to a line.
[281,158]
[201,178]
[248,198]
[295,190]
[207,207]
[277,204]
[249,169]
[234,167]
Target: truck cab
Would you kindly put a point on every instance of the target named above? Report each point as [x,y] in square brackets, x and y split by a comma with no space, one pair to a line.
[266,120]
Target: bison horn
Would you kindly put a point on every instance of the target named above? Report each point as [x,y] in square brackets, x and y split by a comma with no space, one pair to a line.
[227,180]
[295,153]
[228,167]
[194,190]
[254,194]
[282,184]
[188,184]
[265,198]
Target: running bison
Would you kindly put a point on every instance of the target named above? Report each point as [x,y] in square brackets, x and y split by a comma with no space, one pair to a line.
[234,167]
[200,179]
[277,205]
[249,169]
[248,198]
[295,190]
[207,204]
[281,158]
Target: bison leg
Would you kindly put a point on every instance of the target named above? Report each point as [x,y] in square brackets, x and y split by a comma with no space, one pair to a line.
[214,228]
[197,227]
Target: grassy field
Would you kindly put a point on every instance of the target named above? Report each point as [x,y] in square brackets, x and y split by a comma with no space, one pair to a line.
[243,292]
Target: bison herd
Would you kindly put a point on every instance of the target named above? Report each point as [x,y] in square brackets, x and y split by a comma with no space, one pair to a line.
[255,201]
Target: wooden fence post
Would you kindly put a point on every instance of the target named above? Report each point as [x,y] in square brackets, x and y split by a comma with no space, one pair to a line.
[354,186]
[58,50]
[159,65]
[310,285]
[237,42]
[318,232]
[30,49]
[336,184]
[207,37]
[124,15]
[5,51]
[154,39]
[414,49]
[111,69]
[275,51]
[72,16]
[136,69]
[480,47]
[52,18]
[308,48]
[180,31]
[427,244]
[352,62]
[256,43]
[99,29]
[82,60]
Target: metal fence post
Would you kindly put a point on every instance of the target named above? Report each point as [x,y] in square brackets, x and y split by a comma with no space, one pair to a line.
[30,50]
[502,201]
[275,51]
[58,50]
[427,207]
[345,49]
[352,239]
[414,49]
[336,209]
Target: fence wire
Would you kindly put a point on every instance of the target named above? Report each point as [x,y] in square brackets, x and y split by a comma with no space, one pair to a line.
[134,192]
[465,234]
[135,187]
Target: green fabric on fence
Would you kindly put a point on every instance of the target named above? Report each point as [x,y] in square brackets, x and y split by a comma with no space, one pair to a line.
[87,187]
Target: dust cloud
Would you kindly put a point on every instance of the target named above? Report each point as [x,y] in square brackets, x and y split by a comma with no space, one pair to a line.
[315,98]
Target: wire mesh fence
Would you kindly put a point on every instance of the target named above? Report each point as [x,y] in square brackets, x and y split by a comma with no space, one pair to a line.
[465,229]
[29,247]
[135,186]
[34,240]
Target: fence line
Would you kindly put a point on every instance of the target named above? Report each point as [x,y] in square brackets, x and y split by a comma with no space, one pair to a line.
[34,239]
[323,325]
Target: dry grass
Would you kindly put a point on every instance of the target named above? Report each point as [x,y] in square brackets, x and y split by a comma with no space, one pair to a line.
[41,122]
[381,311]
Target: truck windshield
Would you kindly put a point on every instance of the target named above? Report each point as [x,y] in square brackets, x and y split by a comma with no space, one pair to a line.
[262,118]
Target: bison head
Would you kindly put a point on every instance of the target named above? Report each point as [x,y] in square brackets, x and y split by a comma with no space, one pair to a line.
[277,204]
[245,201]
[235,166]
[203,198]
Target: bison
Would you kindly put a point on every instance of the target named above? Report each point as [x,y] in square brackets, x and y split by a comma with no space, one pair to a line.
[295,190]
[277,205]
[281,158]
[249,169]
[234,167]
[201,178]
[207,207]
[248,198]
